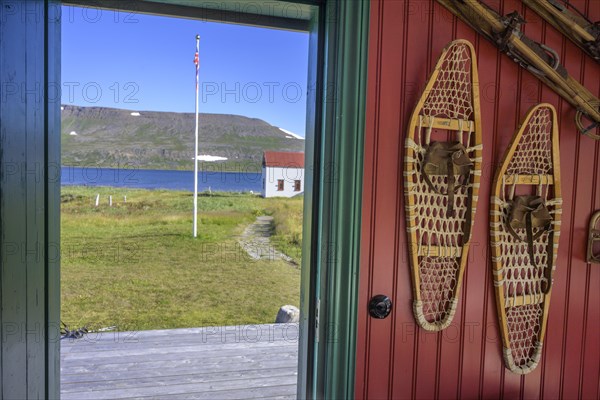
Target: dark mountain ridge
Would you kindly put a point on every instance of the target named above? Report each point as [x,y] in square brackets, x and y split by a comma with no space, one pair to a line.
[110,137]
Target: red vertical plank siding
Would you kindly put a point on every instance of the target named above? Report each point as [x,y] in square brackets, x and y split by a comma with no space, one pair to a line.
[363,323]
[395,358]
[405,331]
[590,374]
[384,158]
[583,199]
[590,379]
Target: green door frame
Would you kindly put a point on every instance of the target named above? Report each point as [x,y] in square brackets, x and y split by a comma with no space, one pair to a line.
[335,133]
[29,198]
[329,295]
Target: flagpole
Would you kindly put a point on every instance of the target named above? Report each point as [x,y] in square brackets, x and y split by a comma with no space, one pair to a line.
[197,62]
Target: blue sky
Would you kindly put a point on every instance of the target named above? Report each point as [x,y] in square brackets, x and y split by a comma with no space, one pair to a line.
[141,62]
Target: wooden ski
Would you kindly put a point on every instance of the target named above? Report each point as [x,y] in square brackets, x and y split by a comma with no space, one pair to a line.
[542,61]
[572,24]
[523,281]
[440,202]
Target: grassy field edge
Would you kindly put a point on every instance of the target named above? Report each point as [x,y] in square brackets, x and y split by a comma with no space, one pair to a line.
[135,265]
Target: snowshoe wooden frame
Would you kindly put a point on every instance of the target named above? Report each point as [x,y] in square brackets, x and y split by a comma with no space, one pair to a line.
[439,237]
[532,162]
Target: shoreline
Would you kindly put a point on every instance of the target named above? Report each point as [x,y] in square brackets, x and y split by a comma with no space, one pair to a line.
[242,169]
[201,193]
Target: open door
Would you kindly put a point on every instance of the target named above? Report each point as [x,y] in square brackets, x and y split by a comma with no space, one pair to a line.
[30,183]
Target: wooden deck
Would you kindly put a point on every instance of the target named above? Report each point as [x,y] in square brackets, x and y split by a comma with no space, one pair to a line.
[234,362]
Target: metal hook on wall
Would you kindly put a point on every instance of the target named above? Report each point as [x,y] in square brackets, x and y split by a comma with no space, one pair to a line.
[593,255]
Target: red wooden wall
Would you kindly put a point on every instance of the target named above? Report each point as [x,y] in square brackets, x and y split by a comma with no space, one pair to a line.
[395,358]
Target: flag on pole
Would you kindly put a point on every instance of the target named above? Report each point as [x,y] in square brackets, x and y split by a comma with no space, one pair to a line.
[197,62]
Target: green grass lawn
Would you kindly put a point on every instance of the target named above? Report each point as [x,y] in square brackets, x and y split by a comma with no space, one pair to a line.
[136,266]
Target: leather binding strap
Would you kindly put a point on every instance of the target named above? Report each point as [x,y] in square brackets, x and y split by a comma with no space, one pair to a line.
[447,158]
[530,212]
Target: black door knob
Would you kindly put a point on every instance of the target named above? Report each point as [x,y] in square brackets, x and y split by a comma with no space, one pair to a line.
[380,306]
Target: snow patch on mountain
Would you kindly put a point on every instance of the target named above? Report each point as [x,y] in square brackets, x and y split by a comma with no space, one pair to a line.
[292,134]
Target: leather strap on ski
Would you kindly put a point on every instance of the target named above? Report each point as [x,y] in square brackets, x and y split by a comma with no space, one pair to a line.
[543,62]
[571,23]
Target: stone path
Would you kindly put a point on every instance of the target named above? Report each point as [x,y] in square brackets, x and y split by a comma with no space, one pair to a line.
[256,241]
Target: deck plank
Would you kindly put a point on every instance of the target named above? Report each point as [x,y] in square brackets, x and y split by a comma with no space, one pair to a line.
[182,389]
[129,382]
[84,367]
[274,392]
[120,350]
[215,333]
[157,374]
[254,361]
[197,365]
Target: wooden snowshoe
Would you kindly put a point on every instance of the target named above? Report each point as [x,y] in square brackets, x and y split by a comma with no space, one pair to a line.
[442,170]
[525,227]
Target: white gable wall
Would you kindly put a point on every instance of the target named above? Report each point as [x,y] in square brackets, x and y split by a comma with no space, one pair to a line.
[271,176]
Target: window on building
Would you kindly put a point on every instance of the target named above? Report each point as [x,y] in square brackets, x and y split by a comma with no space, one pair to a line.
[280,185]
[297,186]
